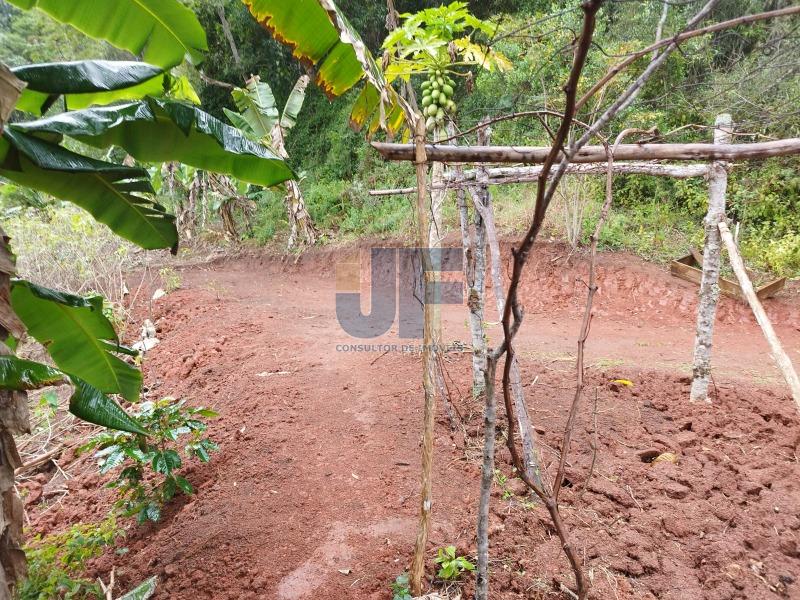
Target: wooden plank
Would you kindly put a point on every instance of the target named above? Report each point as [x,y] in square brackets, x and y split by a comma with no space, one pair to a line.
[686,268]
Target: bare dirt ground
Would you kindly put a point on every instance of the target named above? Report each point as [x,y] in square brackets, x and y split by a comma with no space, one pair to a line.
[314,492]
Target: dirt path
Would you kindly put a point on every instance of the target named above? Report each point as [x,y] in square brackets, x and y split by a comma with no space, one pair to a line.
[313,494]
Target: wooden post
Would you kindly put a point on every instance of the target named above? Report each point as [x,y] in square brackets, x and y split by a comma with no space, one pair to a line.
[709,284]
[428,362]
[781,358]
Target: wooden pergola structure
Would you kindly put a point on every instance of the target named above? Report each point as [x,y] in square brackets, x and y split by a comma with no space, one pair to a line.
[632,159]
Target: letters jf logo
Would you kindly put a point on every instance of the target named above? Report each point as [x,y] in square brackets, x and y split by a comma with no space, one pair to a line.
[396,289]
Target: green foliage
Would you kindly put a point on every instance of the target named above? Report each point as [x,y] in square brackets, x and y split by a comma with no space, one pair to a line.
[162,31]
[112,193]
[451,566]
[400,588]
[329,43]
[148,478]
[87,82]
[77,335]
[159,130]
[56,562]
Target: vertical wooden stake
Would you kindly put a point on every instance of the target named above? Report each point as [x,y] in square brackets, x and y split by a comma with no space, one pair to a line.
[781,358]
[428,360]
[709,283]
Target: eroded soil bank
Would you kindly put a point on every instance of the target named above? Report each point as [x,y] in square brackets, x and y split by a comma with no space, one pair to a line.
[314,492]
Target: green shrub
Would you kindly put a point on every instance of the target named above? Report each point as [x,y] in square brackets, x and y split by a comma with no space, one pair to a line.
[148,479]
[57,561]
[452,566]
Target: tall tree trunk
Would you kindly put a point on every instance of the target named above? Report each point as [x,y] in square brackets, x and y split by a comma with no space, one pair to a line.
[482,199]
[474,276]
[431,313]
[474,247]
[709,283]
[13,421]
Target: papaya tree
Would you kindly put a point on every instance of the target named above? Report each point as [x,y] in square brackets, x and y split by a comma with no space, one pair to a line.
[432,43]
[260,120]
[127,104]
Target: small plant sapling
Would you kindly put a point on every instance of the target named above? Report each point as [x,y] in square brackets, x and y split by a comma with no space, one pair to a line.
[148,479]
[452,566]
[400,589]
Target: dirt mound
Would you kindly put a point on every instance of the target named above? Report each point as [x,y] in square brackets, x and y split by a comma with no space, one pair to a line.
[314,491]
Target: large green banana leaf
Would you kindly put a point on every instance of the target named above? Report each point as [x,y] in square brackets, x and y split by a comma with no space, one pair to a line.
[92,405]
[76,334]
[87,82]
[162,32]
[158,130]
[320,35]
[111,193]
[86,402]
[256,104]
[294,104]
[20,374]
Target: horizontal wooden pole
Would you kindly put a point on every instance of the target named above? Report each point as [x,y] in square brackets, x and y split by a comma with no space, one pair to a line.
[592,154]
[509,175]
[522,174]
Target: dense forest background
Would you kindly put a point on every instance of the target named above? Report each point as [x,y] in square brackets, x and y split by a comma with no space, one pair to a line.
[752,72]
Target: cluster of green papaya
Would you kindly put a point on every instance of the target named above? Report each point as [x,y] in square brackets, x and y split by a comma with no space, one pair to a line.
[437,98]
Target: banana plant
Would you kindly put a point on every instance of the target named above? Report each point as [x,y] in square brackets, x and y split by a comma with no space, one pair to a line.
[80,340]
[323,37]
[260,120]
[161,32]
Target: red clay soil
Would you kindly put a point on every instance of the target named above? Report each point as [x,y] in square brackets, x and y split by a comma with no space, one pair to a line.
[314,491]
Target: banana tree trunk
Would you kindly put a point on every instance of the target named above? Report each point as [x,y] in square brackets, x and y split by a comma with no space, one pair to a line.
[14,420]
[299,220]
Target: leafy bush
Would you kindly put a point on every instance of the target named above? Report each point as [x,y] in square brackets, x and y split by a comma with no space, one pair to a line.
[148,479]
[56,561]
[451,565]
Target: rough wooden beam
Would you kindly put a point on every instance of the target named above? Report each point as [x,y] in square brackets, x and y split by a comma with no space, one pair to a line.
[509,175]
[592,154]
[781,358]
[523,174]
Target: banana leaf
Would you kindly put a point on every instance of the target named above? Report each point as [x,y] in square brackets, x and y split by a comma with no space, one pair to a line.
[86,402]
[256,104]
[21,374]
[111,193]
[319,35]
[87,82]
[294,104]
[160,130]
[76,334]
[143,591]
[161,32]
[92,405]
